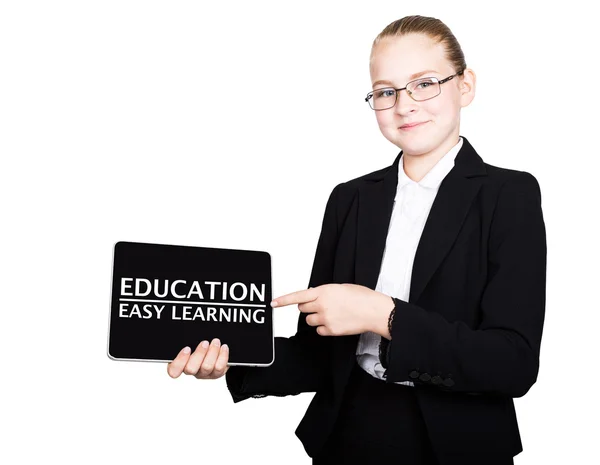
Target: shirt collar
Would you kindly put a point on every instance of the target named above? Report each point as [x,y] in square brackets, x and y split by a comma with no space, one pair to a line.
[435,175]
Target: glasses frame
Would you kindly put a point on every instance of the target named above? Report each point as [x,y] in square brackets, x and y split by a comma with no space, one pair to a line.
[440,82]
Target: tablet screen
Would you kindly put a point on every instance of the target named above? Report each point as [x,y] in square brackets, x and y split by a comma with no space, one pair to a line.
[166,297]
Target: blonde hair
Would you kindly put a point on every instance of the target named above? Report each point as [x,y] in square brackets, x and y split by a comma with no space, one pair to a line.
[433,28]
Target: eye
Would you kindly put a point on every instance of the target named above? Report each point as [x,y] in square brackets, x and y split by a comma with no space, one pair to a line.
[424,84]
[384,93]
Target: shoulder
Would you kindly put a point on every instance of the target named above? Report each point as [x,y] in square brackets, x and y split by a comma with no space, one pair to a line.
[506,181]
[494,177]
[343,196]
[513,201]
[500,175]
[497,181]
[348,189]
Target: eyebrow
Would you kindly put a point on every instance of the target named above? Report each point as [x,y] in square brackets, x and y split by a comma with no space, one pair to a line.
[410,78]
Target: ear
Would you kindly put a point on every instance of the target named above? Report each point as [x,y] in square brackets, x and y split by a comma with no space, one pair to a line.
[467,87]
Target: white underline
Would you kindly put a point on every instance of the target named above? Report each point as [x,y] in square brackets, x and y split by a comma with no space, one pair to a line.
[194,302]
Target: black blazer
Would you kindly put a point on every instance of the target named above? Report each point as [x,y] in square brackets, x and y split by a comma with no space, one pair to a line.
[469,337]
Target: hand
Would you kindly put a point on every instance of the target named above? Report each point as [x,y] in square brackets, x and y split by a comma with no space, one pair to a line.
[204,363]
[339,309]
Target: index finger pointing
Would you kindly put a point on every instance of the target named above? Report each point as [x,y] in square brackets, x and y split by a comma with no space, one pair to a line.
[298,297]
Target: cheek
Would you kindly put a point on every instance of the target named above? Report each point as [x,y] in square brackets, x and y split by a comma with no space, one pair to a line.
[385,119]
[444,108]
[436,107]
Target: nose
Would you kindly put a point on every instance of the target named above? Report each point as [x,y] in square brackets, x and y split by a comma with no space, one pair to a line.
[404,103]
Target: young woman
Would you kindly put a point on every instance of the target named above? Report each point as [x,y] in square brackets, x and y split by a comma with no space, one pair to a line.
[424,311]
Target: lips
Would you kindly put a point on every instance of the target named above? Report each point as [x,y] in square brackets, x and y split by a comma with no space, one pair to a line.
[411,125]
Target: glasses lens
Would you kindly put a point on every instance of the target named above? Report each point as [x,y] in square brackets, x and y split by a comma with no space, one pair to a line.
[423,89]
[383,98]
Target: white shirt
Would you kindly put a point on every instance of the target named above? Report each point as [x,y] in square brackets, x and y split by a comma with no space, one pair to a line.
[412,204]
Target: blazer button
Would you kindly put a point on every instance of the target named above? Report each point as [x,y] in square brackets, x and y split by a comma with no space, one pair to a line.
[448,382]
[414,374]
[436,380]
[425,377]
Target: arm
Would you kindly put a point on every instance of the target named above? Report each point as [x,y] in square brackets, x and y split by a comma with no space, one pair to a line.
[501,356]
[301,361]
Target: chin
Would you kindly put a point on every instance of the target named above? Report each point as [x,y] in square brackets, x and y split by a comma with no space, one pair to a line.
[413,146]
[408,142]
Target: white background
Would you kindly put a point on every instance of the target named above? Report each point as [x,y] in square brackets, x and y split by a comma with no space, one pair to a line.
[228,126]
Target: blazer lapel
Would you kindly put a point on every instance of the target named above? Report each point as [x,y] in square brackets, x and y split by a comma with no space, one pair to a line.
[375,203]
[448,211]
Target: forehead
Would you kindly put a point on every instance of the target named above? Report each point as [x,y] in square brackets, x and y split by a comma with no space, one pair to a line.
[396,59]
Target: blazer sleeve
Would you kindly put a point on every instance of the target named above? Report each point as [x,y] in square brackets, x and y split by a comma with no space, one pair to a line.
[302,360]
[500,356]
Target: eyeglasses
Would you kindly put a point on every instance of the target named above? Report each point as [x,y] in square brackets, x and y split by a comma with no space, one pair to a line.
[419,90]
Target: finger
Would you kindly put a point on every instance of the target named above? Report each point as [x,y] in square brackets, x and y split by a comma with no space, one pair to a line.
[221,363]
[314,319]
[175,367]
[309,307]
[196,359]
[208,365]
[305,295]
[323,331]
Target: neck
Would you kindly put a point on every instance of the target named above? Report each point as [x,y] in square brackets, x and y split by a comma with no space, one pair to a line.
[416,166]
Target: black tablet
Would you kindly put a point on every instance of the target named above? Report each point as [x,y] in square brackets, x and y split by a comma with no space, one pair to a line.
[166,297]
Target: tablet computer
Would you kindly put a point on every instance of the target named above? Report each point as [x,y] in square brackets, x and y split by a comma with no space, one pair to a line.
[165,297]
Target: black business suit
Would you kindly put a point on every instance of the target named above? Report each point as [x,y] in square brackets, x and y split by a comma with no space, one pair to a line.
[470,335]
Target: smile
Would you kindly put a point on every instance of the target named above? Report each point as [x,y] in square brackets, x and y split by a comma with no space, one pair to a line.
[412,126]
